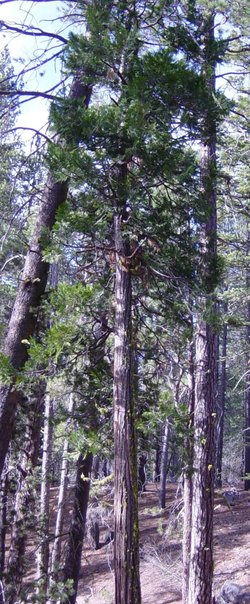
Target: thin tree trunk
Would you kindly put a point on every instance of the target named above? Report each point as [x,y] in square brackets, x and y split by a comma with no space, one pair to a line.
[188,478]
[78,524]
[56,551]
[221,403]
[2,598]
[164,464]
[3,516]
[43,550]
[247,394]
[126,544]
[157,463]
[201,555]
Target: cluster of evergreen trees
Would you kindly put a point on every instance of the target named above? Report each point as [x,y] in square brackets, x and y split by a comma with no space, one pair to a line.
[128,332]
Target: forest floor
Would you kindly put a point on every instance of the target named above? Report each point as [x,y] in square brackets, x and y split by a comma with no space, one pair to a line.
[160,541]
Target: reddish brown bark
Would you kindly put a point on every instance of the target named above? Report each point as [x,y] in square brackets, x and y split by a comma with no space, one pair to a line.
[126,545]
[188,478]
[201,554]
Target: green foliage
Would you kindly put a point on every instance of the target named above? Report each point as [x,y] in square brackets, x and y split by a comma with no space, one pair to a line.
[7,372]
[66,334]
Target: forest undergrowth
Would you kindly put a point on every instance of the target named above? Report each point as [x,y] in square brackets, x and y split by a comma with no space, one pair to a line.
[160,546]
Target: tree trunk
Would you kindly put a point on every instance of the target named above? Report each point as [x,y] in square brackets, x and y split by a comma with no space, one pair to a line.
[221,403]
[2,598]
[157,463]
[188,477]
[24,314]
[201,555]
[56,552]
[43,550]
[247,394]
[126,544]
[3,516]
[164,464]
[201,559]
[78,524]
[31,289]
[24,500]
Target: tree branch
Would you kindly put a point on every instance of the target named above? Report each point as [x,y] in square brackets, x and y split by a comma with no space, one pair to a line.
[38,132]
[34,2]
[31,93]
[32,31]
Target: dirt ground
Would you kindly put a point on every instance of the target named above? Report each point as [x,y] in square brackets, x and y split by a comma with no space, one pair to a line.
[160,540]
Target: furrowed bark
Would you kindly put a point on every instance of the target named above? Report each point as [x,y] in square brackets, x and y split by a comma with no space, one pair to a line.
[126,543]
[188,478]
[201,555]
[201,559]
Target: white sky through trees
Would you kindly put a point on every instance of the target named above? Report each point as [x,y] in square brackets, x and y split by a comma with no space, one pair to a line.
[27,52]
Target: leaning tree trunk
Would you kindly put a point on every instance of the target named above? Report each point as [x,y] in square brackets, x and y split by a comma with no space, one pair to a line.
[31,289]
[24,315]
[78,524]
[247,393]
[126,543]
[201,555]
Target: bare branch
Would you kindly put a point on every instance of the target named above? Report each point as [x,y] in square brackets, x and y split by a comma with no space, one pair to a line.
[33,1]
[32,93]
[10,260]
[32,31]
[237,73]
[38,132]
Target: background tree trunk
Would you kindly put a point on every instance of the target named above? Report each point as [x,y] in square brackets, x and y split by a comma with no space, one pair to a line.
[221,402]
[164,464]
[247,394]
[25,498]
[3,516]
[56,551]
[78,524]
[44,550]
